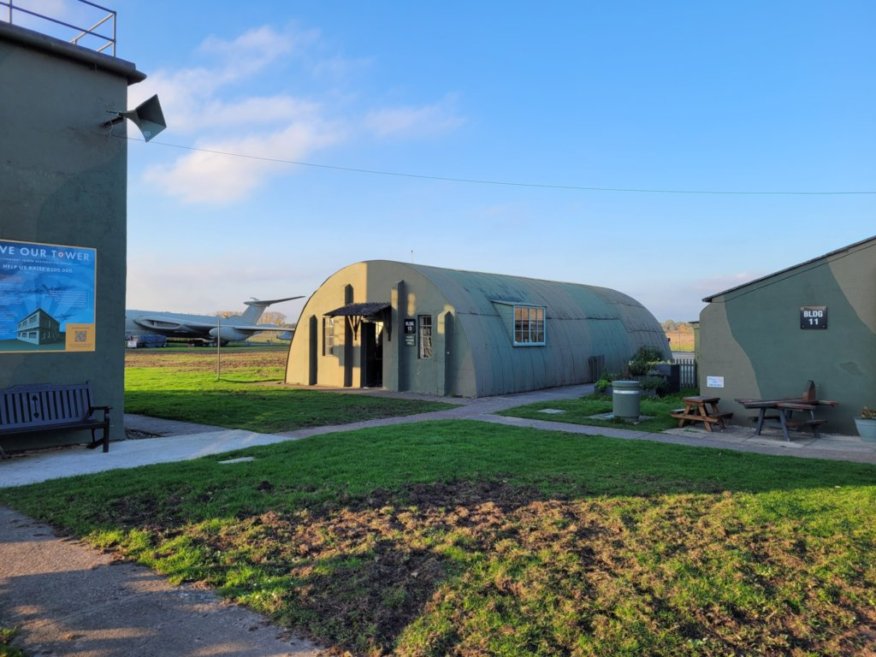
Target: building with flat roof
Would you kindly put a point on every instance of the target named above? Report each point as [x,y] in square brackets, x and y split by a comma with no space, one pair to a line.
[63,224]
[39,328]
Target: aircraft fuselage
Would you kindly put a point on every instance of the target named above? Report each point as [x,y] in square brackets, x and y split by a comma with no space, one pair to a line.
[202,327]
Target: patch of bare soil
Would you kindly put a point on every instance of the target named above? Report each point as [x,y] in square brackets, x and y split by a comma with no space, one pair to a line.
[205,358]
[469,561]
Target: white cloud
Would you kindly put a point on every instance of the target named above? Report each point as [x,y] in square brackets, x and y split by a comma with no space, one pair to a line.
[212,104]
[189,95]
[255,50]
[216,178]
[423,121]
[256,111]
[263,43]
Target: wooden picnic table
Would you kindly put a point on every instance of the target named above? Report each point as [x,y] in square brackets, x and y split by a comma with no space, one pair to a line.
[785,409]
[701,409]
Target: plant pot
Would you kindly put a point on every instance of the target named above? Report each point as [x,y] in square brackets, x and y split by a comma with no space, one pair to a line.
[866,429]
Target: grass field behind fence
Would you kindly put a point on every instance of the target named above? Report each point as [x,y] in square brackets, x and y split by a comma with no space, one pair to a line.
[465,538]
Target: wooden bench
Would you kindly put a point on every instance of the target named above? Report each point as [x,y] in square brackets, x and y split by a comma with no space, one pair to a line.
[52,407]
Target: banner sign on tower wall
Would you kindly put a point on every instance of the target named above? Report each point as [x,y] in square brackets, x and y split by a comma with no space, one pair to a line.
[47,297]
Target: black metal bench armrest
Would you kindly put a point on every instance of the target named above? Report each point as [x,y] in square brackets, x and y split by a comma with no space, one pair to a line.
[105,409]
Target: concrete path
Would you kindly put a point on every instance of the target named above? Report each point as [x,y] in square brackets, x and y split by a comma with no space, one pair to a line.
[179,441]
[68,599]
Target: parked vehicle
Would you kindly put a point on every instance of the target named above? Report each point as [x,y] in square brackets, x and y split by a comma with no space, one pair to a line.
[145,341]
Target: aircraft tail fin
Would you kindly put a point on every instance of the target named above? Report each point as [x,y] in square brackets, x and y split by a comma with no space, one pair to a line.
[256,307]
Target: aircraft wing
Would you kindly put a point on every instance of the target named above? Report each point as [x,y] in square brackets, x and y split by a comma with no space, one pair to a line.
[167,325]
[250,328]
[260,302]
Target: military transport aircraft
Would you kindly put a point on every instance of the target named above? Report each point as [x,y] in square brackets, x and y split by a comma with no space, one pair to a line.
[202,327]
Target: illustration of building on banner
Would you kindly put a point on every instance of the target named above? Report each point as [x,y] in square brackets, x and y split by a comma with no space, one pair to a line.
[40,328]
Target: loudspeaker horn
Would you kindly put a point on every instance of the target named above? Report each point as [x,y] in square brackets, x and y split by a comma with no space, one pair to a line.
[147,116]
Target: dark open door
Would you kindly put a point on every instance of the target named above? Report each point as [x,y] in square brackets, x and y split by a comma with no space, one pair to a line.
[372,355]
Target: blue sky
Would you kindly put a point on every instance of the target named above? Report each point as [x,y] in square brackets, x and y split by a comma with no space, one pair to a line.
[742,99]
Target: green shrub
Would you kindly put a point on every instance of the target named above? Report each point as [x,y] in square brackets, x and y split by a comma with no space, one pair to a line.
[656,383]
[602,385]
[642,361]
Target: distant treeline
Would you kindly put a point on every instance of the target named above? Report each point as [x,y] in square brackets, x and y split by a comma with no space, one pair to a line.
[672,325]
[680,334]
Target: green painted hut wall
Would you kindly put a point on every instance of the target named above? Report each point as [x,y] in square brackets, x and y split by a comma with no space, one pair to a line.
[476,356]
[751,336]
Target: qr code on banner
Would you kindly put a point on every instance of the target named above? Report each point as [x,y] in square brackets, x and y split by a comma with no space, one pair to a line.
[80,336]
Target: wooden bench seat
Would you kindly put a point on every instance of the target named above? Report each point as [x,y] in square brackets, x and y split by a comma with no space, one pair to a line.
[681,415]
[798,424]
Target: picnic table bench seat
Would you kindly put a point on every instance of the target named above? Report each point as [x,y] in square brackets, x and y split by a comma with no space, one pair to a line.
[680,414]
[53,407]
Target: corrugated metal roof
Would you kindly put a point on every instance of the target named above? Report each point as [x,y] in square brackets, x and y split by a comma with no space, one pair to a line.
[581,321]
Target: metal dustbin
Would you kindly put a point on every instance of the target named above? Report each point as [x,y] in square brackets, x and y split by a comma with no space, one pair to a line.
[625,398]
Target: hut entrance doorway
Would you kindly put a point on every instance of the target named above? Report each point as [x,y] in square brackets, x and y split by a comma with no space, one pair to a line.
[372,354]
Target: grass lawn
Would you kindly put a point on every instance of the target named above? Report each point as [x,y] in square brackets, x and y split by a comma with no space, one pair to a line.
[182,384]
[466,538]
[579,411]
[6,647]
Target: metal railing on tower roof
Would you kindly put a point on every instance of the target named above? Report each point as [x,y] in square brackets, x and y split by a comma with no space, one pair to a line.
[101,20]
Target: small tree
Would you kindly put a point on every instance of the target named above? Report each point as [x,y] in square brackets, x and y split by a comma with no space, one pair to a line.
[273,317]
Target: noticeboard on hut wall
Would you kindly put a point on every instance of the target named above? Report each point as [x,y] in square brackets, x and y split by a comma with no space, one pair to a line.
[47,297]
[410,331]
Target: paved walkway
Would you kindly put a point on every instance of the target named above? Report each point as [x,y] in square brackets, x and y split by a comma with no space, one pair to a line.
[68,599]
[191,441]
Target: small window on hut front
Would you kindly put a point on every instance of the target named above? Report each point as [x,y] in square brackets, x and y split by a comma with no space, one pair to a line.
[425,336]
[328,340]
[529,325]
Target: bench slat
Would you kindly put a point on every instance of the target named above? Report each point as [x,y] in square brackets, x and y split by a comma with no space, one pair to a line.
[44,407]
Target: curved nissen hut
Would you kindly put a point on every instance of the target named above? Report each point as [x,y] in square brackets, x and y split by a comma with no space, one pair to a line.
[441,331]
